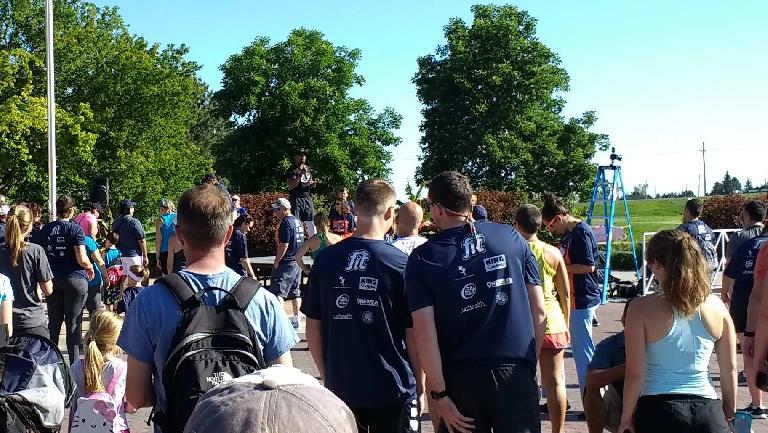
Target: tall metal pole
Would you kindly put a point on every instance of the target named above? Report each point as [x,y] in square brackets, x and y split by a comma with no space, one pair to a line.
[51,109]
[704,160]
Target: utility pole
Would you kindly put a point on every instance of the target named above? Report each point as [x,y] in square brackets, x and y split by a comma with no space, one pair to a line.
[704,160]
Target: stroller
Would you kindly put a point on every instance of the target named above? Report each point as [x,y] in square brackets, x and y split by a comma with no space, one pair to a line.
[35,385]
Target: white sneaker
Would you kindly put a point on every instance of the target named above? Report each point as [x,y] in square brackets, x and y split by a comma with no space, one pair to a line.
[295,322]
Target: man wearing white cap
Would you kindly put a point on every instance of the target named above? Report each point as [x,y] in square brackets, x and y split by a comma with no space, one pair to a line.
[286,274]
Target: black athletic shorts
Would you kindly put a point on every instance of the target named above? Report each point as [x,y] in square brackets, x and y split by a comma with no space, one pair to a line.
[163,262]
[390,420]
[302,208]
[679,413]
[739,316]
[500,398]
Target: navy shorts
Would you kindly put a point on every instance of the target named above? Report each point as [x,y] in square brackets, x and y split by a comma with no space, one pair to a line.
[501,397]
[285,281]
[739,316]
[302,208]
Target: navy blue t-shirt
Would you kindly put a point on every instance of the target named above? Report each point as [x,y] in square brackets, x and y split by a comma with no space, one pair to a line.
[131,232]
[291,232]
[741,267]
[706,239]
[236,249]
[477,286]
[356,289]
[579,247]
[59,241]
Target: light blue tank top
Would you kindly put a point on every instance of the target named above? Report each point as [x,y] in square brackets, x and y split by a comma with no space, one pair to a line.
[679,362]
[167,229]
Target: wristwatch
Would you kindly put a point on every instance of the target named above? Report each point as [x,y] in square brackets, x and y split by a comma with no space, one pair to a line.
[438,395]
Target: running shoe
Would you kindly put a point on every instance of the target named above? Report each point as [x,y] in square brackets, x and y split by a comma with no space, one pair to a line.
[295,322]
[756,412]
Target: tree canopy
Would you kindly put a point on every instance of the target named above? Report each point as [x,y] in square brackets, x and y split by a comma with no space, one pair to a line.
[294,94]
[126,109]
[729,185]
[493,106]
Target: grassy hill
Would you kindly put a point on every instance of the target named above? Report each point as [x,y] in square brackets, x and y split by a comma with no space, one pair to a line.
[646,215]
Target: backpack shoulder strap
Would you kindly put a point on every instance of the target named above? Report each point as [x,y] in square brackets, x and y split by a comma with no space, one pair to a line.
[117,374]
[244,291]
[180,289]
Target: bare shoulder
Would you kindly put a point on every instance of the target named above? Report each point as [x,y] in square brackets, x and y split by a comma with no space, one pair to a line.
[552,255]
[713,305]
[714,314]
[648,304]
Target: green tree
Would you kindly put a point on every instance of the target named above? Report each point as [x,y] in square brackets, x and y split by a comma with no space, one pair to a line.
[492,108]
[295,94]
[748,185]
[137,104]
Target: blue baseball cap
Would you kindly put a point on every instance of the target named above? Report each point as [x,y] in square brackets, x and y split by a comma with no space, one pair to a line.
[479,213]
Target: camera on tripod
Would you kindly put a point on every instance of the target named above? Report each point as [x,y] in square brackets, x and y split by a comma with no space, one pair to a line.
[614,156]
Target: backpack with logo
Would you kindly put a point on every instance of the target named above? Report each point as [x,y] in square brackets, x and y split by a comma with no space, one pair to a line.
[96,412]
[212,344]
[114,280]
[35,385]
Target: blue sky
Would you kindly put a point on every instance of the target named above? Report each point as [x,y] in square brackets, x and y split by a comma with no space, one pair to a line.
[663,76]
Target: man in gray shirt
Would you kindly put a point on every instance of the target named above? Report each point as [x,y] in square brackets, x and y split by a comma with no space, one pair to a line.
[752,217]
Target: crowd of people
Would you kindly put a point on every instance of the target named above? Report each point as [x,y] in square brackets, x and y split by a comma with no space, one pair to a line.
[396,323]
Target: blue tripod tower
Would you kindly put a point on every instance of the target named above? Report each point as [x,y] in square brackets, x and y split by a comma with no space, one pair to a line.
[607,190]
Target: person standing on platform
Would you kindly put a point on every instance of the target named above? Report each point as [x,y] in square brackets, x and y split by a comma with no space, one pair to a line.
[476,301]
[286,274]
[300,183]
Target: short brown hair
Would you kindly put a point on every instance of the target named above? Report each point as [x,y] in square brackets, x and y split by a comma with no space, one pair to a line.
[373,197]
[528,219]
[452,190]
[204,215]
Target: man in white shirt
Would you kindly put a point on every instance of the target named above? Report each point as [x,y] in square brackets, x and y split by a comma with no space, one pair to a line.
[409,218]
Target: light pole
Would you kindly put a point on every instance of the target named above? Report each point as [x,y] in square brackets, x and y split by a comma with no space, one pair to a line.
[51,109]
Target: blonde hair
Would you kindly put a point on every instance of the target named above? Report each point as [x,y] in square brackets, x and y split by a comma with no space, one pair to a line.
[17,223]
[100,341]
[687,281]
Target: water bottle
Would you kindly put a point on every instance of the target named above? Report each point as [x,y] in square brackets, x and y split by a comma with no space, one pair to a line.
[742,422]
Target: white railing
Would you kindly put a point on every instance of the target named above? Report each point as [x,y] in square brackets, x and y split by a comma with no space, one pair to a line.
[721,242]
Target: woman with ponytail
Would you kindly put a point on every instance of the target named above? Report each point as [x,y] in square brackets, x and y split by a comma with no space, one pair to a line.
[26,265]
[670,336]
[102,370]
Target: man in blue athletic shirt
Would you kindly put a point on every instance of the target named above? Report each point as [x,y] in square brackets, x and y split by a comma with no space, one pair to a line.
[358,324]
[478,316]
[700,231]
[286,274]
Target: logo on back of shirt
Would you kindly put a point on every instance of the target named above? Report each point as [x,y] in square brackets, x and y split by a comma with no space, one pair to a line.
[495,263]
[468,291]
[502,298]
[342,301]
[358,261]
[367,317]
[498,283]
[368,283]
[472,245]
[463,274]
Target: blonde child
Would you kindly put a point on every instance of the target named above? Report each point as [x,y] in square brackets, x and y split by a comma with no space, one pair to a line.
[100,378]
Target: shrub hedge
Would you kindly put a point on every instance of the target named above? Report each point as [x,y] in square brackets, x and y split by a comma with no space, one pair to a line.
[722,211]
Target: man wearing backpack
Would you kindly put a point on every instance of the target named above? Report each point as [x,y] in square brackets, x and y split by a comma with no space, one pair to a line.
[156,320]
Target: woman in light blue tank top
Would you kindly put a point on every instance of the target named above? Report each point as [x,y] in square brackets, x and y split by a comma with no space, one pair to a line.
[670,337]
[165,229]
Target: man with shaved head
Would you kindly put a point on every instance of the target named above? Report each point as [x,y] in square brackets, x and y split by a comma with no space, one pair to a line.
[409,218]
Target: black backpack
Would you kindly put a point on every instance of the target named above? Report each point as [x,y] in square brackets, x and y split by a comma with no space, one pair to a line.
[212,344]
[33,367]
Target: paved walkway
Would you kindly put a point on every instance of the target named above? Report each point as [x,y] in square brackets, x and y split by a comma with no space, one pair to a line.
[609,314]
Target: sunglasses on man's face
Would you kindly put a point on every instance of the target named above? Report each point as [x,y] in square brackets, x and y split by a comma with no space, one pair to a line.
[551,223]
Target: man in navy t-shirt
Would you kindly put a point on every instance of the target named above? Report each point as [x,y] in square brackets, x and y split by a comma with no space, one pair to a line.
[358,324]
[132,242]
[700,231]
[478,316]
[236,250]
[286,274]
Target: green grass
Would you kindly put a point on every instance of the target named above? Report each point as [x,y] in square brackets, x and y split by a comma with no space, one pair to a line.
[646,215]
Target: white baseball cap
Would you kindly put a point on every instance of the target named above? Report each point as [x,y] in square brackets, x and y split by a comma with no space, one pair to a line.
[281,203]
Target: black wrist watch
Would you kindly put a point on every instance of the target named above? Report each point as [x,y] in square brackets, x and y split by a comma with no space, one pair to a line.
[438,395]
